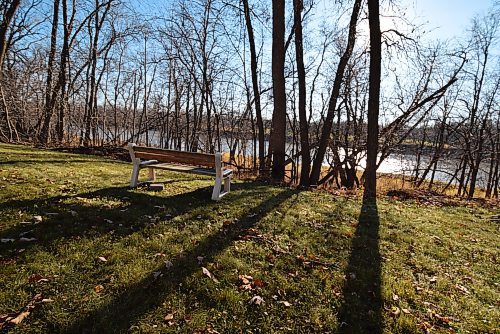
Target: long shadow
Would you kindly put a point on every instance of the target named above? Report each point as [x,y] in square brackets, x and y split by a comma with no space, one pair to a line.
[68,216]
[57,161]
[361,310]
[117,315]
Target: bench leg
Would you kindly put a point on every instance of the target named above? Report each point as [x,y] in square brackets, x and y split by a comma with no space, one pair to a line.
[152,174]
[216,191]
[135,175]
[227,184]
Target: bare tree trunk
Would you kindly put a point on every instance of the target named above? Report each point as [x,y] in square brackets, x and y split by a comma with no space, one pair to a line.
[420,151]
[49,102]
[494,160]
[278,135]
[436,155]
[4,26]
[146,95]
[332,105]
[255,85]
[67,26]
[370,191]
[301,73]
[477,161]
[8,15]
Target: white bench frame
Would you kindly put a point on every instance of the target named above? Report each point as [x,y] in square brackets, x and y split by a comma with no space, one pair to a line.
[222,176]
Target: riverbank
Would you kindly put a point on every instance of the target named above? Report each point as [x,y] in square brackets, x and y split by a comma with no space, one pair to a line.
[82,252]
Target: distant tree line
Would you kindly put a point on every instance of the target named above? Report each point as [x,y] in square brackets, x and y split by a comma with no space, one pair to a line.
[301,91]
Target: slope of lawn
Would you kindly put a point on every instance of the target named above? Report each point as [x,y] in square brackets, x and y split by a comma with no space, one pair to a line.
[82,253]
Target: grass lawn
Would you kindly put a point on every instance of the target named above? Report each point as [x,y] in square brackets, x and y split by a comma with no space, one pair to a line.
[83,253]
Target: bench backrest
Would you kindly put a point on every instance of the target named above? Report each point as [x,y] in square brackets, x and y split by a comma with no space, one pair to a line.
[173,156]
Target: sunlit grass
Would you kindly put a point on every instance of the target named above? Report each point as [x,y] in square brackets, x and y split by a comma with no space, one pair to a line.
[110,259]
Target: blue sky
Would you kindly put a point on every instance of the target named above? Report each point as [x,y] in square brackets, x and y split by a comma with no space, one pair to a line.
[445,18]
[448,18]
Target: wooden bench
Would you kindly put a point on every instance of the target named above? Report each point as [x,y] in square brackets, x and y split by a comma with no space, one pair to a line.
[180,161]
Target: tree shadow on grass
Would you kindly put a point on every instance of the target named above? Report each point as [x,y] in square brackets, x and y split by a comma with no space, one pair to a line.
[117,315]
[68,216]
[56,161]
[361,310]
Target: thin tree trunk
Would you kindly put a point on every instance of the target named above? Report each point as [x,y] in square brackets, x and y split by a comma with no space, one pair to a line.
[370,191]
[4,27]
[49,102]
[477,161]
[67,26]
[332,105]
[301,73]
[255,85]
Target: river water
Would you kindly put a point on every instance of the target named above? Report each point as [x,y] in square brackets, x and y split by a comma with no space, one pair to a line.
[397,163]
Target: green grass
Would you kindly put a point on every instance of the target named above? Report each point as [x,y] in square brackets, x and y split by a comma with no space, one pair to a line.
[321,263]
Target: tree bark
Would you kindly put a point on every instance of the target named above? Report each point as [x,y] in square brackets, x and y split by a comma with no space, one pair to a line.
[301,74]
[370,191]
[278,135]
[49,102]
[4,27]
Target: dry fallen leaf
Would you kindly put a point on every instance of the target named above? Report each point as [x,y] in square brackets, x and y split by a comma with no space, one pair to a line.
[258,283]
[209,274]
[20,317]
[462,288]
[99,288]
[102,258]
[257,300]
[284,302]
[169,317]
[395,311]
[245,279]
[395,297]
